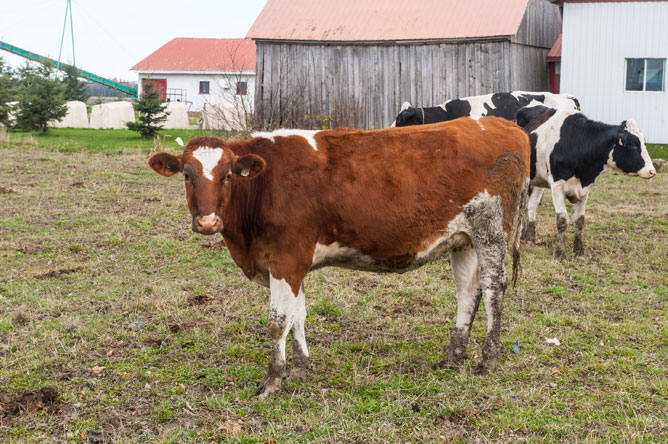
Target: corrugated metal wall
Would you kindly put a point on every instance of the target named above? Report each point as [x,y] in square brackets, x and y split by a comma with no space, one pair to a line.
[597,38]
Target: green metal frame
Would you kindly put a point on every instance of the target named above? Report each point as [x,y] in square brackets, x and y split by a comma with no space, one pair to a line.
[84,74]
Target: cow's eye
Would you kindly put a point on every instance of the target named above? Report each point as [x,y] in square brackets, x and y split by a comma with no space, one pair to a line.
[186,177]
[229,176]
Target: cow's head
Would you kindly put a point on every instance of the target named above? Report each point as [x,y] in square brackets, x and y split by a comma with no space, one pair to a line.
[209,167]
[629,154]
[410,116]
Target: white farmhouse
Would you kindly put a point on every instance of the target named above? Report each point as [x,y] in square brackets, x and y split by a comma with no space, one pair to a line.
[613,59]
[201,72]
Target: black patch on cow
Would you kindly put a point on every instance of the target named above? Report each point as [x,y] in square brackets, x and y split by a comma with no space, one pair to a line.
[533,138]
[457,108]
[433,114]
[507,105]
[582,150]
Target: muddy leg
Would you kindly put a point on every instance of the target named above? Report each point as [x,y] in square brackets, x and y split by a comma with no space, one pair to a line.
[301,362]
[559,203]
[465,272]
[579,222]
[493,282]
[529,234]
[284,309]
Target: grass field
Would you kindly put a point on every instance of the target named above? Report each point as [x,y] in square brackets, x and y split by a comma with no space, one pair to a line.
[138,330]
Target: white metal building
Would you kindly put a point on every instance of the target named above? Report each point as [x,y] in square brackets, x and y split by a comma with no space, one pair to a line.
[613,59]
[201,71]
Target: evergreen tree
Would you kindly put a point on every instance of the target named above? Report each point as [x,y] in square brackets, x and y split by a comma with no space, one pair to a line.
[75,89]
[152,112]
[41,99]
[7,92]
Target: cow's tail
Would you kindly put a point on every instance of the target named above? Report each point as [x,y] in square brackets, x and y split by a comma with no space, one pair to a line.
[520,219]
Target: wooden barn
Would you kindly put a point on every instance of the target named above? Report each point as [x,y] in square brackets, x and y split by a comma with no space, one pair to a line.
[354,62]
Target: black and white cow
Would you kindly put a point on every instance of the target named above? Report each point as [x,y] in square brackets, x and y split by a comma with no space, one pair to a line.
[568,152]
[503,105]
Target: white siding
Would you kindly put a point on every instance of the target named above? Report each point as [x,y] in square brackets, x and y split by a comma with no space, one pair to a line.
[222,87]
[597,38]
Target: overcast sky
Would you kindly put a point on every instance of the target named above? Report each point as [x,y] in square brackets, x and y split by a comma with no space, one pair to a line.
[110,36]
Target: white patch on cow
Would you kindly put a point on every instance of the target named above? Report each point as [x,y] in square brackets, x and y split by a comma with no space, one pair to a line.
[309,135]
[465,275]
[632,127]
[477,103]
[573,189]
[558,101]
[534,202]
[477,120]
[338,254]
[209,158]
[548,134]
[285,309]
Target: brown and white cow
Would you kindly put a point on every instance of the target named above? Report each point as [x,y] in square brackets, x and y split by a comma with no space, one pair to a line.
[388,200]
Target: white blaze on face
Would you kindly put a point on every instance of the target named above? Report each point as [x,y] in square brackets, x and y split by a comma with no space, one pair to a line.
[209,158]
[309,135]
[632,127]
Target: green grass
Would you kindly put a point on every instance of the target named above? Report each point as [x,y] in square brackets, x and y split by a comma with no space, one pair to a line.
[657,151]
[107,141]
[80,263]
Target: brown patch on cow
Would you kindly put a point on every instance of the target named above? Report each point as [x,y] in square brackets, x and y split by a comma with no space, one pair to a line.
[275,330]
[55,274]
[29,401]
[6,190]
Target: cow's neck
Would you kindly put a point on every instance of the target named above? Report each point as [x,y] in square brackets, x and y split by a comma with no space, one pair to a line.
[596,152]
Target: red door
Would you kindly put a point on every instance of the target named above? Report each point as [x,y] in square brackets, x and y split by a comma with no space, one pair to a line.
[158,84]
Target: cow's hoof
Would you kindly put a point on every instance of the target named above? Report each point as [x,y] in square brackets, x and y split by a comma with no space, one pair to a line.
[560,254]
[298,373]
[450,362]
[269,385]
[482,369]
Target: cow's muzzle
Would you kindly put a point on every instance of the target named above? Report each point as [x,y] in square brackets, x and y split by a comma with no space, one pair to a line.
[210,224]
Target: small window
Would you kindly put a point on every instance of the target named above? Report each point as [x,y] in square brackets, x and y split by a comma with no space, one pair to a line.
[242,88]
[645,74]
[204,87]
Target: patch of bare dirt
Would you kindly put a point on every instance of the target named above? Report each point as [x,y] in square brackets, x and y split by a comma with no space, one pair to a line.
[6,190]
[29,401]
[30,249]
[58,273]
[180,326]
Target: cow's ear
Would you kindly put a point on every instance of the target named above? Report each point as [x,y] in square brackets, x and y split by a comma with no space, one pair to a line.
[248,166]
[166,164]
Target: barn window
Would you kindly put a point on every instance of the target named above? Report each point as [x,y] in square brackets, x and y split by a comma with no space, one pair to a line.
[242,88]
[645,74]
[204,87]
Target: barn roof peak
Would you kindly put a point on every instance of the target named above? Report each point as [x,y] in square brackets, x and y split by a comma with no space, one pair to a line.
[387,20]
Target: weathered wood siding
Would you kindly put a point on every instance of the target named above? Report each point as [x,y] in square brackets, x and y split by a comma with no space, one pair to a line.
[364,85]
[540,26]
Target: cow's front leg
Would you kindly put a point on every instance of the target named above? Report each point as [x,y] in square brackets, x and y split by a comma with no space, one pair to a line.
[559,202]
[529,234]
[579,222]
[301,362]
[286,308]
[465,273]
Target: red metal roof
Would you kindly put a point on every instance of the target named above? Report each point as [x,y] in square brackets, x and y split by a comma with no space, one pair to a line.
[555,52]
[561,2]
[377,20]
[189,54]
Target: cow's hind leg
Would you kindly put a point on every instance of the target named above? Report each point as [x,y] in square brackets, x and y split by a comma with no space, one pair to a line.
[465,273]
[529,234]
[286,309]
[579,222]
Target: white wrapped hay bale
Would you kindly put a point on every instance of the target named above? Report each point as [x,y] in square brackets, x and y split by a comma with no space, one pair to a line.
[76,117]
[113,115]
[178,116]
[223,117]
